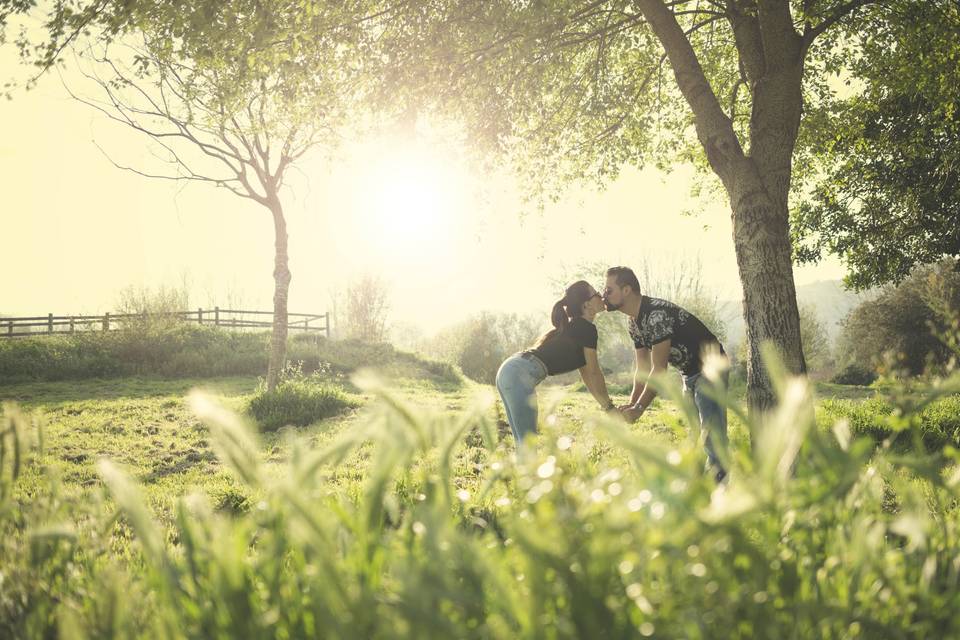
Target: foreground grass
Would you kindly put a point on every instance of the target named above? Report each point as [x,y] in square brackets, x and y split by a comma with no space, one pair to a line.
[409,518]
[145,426]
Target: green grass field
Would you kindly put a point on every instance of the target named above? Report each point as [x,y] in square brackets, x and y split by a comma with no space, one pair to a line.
[406,517]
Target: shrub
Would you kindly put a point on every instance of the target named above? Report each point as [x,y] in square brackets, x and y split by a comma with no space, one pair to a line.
[481,343]
[176,349]
[297,401]
[854,374]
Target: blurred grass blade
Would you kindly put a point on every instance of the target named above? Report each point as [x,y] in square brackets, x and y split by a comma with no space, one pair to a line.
[233,442]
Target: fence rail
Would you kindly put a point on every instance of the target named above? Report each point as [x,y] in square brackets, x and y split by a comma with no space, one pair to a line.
[217,317]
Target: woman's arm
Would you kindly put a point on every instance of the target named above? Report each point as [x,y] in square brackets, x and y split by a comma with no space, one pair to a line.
[592,376]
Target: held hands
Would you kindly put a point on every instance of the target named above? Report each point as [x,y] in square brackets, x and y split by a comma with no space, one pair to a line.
[631,413]
[628,412]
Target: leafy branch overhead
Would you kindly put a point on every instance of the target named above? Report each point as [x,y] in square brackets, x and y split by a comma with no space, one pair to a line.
[884,181]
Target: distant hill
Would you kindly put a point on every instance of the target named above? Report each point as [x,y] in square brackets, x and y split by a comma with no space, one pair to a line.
[831,301]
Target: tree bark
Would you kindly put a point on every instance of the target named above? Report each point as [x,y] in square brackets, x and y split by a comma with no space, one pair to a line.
[759,196]
[757,181]
[762,243]
[281,280]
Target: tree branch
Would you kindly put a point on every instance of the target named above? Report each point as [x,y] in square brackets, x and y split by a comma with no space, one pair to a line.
[746,36]
[224,182]
[714,128]
[838,14]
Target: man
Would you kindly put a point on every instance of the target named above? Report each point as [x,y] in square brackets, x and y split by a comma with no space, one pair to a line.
[664,333]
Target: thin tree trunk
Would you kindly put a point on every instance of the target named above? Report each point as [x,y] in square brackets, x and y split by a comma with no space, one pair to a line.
[281,279]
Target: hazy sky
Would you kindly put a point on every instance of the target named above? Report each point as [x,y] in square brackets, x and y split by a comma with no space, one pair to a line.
[77,230]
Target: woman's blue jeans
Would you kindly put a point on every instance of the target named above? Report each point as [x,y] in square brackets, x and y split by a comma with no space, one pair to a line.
[517,382]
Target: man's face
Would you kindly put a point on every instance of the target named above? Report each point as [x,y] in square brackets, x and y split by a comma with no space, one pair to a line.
[613,294]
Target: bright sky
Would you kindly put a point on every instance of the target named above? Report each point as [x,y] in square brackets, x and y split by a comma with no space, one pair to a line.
[448,242]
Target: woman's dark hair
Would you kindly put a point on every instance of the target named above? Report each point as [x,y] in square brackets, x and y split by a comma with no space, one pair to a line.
[566,309]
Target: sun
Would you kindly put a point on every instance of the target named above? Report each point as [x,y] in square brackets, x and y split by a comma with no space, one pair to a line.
[413,201]
[403,205]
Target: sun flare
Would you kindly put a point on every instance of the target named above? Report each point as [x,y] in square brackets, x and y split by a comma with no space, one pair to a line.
[411,203]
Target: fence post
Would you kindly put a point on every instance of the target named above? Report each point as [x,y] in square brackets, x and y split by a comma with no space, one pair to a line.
[216,316]
[71,324]
[106,321]
[327,327]
[10,328]
[199,315]
[49,323]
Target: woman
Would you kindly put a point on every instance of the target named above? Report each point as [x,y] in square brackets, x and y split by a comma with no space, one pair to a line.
[571,344]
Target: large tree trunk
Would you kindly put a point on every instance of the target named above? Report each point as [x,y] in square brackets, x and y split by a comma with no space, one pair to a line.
[759,195]
[281,280]
[762,242]
[757,180]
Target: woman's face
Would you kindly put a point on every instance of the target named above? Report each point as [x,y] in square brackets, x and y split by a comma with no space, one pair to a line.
[594,304]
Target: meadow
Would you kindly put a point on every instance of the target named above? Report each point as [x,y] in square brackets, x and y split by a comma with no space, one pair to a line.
[142,507]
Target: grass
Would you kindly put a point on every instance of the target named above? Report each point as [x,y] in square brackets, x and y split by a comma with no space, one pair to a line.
[409,518]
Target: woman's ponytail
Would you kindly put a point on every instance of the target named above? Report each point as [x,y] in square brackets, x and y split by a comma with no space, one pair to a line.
[567,308]
[559,320]
[558,317]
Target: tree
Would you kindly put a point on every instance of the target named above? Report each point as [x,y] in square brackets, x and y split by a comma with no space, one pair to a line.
[367,305]
[813,334]
[816,343]
[907,326]
[231,110]
[577,89]
[884,180]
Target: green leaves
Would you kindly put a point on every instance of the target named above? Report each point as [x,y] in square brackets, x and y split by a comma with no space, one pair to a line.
[886,184]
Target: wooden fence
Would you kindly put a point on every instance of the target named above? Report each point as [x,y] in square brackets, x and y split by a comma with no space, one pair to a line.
[217,317]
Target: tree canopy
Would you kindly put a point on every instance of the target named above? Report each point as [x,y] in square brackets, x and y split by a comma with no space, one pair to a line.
[884,181]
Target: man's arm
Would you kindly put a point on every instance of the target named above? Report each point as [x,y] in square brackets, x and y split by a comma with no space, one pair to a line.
[640,371]
[657,359]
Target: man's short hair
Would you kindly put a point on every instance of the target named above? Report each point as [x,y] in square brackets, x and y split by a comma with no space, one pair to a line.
[625,277]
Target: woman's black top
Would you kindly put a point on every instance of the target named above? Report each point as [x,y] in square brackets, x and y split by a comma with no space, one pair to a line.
[564,352]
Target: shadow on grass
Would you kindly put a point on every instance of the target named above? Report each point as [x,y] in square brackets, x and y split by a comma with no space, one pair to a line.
[844,391]
[164,469]
[28,393]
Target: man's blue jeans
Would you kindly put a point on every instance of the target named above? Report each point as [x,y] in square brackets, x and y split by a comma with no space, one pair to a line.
[713,416]
[517,382]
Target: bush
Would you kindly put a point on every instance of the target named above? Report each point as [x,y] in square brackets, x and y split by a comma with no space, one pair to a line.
[297,401]
[178,350]
[481,343]
[854,374]
[343,357]
[905,323]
